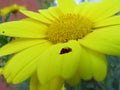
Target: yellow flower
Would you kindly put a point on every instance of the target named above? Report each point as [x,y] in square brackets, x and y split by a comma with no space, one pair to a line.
[67,41]
[11,9]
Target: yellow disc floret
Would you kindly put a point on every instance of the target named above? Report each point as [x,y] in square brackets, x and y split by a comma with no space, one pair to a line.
[69,27]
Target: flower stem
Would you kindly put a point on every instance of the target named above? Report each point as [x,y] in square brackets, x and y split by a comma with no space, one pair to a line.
[105,84]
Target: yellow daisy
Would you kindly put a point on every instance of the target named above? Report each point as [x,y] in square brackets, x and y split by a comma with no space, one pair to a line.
[11,9]
[67,42]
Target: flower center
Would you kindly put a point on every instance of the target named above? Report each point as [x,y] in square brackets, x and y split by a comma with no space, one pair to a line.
[69,27]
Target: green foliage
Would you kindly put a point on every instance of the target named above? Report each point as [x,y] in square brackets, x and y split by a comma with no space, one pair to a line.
[46,3]
[7,17]
[0,19]
[24,85]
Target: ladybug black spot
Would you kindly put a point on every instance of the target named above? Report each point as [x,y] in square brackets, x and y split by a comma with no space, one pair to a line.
[65,50]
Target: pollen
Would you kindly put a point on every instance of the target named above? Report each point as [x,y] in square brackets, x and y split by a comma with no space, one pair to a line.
[69,27]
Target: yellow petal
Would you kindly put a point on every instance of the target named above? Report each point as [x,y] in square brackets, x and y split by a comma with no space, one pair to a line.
[104,9]
[85,67]
[33,21]
[36,16]
[1,70]
[105,40]
[66,6]
[115,20]
[88,9]
[18,45]
[22,65]
[26,29]
[99,64]
[75,79]
[55,12]
[46,14]
[53,63]
[34,83]
[109,9]
[63,88]
[79,8]
[5,11]
[54,84]
[92,65]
